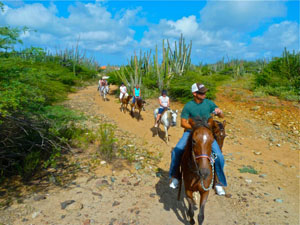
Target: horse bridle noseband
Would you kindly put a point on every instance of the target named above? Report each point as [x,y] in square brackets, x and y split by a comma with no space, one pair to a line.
[211,159]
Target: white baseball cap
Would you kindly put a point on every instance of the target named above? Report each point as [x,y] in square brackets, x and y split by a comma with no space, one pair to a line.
[199,87]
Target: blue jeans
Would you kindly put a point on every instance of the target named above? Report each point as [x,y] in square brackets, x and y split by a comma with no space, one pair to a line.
[134,98]
[178,152]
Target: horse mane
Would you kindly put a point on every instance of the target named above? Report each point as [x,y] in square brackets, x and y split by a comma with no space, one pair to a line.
[199,122]
[220,125]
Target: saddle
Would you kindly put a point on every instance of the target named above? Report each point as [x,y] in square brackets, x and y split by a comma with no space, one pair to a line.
[165,109]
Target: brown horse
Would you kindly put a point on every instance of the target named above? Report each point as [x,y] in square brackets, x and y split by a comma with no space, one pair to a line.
[219,132]
[139,105]
[124,102]
[197,165]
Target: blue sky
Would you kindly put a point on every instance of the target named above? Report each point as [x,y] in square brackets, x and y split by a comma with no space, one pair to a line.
[112,30]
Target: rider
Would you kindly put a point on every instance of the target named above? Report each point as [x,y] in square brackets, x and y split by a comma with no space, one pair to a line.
[136,93]
[164,103]
[123,91]
[100,84]
[199,106]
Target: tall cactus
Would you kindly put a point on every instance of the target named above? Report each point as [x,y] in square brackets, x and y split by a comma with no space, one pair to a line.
[180,59]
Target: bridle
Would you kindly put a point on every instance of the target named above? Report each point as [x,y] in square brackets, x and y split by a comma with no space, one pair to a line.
[211,159]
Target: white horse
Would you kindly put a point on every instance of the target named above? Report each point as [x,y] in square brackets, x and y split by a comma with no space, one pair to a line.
[104,91]
[168,119]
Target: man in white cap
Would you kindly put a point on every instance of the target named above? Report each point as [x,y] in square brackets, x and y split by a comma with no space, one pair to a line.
[199,106]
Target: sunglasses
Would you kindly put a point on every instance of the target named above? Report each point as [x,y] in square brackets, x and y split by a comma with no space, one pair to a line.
[199,93]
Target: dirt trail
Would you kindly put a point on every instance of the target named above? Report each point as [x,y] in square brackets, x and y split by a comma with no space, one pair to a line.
[125,196]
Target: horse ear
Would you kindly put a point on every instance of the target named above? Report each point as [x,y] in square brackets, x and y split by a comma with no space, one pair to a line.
[191,122]
[224,123]
[211,123]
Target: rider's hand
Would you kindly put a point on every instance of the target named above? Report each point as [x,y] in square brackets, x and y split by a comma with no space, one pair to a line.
[218,112]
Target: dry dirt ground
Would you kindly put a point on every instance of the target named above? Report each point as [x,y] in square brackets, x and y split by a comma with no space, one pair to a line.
[262,134]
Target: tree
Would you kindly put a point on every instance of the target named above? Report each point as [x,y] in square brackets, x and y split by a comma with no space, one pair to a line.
[9,36]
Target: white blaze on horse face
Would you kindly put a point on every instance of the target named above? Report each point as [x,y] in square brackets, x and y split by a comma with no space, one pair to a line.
[204,138]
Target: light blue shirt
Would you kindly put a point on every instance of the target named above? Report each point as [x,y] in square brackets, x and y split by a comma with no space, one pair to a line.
[137,92]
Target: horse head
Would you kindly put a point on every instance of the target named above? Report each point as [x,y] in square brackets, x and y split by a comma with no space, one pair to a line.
[200,143]
[219,132]
[128,98]
[140,103]
[174,117]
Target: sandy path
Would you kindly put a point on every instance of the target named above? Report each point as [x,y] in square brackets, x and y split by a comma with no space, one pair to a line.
[269,197]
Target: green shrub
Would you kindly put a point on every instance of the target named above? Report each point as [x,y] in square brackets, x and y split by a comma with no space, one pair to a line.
[280,77]
[107,148]
[180,88]
[248,169]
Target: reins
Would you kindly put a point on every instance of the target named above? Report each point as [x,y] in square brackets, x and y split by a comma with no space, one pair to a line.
[211,159]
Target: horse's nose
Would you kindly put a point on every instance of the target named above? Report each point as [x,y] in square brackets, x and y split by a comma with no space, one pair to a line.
[204,172]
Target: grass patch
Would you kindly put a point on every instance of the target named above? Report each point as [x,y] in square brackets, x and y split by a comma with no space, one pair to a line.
[108,141]
[248,169]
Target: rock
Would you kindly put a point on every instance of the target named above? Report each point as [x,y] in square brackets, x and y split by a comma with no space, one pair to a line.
[63,216]
[228,195]
[125,180]
[248,181]
[101,183]
[158,174]
[255,108]
[39,197]
[262,175]
[35,214]
[278,200]
[115,203]
[75,206]
[138,166]
[87,222]
[137,183]
[257,153]
[152,195]
[278,145]
[97,194]
[66,203]
[112,221]
[103,162]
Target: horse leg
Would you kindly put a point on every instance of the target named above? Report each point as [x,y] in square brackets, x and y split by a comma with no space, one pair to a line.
[139,117]
[125,108]
[190,200]
[132,111]
[167,136]
[204,196]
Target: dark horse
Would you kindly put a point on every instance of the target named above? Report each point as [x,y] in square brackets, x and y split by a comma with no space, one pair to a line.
[139,104]
[124,102]
[219,132]
[197,165]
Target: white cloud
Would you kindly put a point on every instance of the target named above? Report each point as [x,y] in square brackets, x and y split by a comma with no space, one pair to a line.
[220,30]
[34,16]
[92,26]
[277,37]
[240,15]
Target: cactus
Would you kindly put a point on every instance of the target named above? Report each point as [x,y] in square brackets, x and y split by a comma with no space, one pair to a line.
[180,59]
